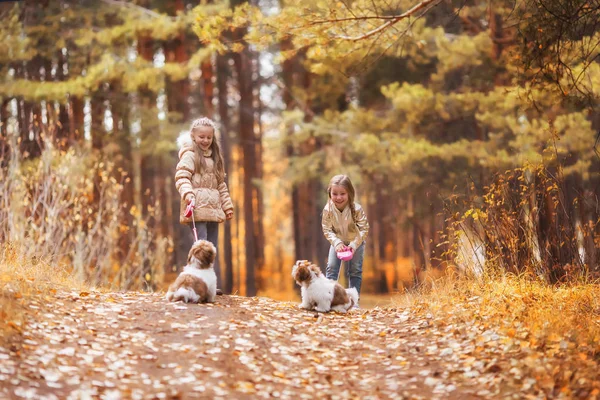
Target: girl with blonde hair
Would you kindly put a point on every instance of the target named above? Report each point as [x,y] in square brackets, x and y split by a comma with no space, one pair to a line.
[200,180]
[345,226]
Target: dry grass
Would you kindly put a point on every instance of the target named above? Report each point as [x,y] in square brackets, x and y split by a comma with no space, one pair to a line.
[515,304]
[66,208]
[24,281]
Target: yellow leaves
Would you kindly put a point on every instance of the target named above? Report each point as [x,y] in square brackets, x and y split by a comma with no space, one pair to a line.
[135,211]
[476,214]
[245,387]
[238,47]
[14,325]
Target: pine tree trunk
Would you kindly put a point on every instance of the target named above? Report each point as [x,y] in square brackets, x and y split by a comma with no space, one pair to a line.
[259,215]
[76,104]
[4,145]
[97,128]
[243,64]
[288,74]
[62,133]
[23,118]
[149,163]
[222,76]
[176,51]
[209,87]
[119,102]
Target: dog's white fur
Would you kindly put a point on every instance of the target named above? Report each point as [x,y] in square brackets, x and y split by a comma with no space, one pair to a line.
[318,292]
[198,273]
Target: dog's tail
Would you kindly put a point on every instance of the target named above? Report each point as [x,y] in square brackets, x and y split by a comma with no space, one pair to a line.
[184,294]
[353,293]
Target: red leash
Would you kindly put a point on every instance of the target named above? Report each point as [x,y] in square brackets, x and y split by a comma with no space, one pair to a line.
[189,212]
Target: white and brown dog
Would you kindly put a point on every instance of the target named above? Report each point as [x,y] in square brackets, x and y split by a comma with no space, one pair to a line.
[320,293]
[197,283]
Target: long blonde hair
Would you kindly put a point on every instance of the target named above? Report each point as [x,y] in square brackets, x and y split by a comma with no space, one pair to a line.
[215,146]
[345,182]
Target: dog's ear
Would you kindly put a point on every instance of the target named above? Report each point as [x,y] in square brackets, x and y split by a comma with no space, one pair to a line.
[190,255]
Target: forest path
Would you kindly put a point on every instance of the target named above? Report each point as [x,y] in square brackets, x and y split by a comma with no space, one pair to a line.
[137,345]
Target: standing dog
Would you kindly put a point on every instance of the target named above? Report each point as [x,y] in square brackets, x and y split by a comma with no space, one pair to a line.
[197,283]
[320,293]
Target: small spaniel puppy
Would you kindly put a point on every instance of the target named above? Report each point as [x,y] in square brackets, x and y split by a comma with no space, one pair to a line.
[197,283]
[320,293]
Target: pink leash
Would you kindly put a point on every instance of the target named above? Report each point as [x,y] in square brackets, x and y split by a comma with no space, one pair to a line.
[345,256]
[189,212]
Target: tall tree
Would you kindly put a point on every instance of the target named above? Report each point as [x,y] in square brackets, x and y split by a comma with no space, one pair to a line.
[223,76]
[243,64]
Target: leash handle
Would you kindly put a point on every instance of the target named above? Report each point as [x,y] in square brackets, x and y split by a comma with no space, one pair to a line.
[190,213]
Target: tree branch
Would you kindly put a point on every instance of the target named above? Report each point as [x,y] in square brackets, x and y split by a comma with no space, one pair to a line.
[363,18]
[140,9]
[424,5]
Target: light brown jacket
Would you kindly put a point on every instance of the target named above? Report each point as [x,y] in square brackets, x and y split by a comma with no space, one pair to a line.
[356,230]
[212,197]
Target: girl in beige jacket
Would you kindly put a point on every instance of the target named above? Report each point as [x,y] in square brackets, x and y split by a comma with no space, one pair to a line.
[200,177]
[345,226]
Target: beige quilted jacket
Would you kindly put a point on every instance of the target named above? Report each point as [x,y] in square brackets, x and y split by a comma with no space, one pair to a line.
[212,197]
[339,227]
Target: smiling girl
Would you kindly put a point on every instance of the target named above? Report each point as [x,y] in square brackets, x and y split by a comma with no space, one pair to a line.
[345,226]
[200,178]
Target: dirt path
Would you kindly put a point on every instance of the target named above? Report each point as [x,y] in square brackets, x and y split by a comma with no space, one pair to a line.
[134,345]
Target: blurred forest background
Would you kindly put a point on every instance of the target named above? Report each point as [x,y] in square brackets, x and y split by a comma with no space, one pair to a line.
[468,128]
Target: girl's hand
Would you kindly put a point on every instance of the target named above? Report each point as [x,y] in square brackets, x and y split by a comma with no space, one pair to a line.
[191,199]
[229,214]
[340,247]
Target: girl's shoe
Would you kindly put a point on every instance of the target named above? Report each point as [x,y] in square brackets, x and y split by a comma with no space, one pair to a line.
[219,292]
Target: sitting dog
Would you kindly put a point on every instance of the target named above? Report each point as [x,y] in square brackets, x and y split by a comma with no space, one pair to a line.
[197,283]
[320,293]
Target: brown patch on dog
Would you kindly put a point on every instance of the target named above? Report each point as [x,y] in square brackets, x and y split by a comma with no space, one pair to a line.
[340,297]
[314,268]
[189,282]
[303,274]
[204,251]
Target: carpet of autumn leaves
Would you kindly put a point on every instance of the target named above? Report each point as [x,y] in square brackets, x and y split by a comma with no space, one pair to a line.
[456,341]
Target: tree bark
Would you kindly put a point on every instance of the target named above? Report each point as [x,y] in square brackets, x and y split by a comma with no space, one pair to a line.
[259,215]
[4,145]
[63,130]
[97,129]
[149,163]
[243,64]
[124,160]
[176,51]
[209,87]
[222,77]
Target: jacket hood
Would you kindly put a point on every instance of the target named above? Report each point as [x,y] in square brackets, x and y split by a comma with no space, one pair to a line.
[184,140]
